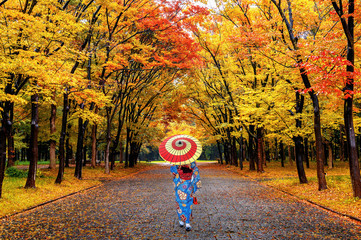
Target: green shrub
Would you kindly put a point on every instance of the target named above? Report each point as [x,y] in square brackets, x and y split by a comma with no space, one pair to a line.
[18,173]
[14,172]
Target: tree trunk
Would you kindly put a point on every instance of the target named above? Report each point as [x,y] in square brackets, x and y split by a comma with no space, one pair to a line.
[299,159]
[220,152]
[282,153]
[121,152]
[244,149]
[9,115]
[342,143]
[320,153]
[267,152]
[234,152]
[117,141]
[306,153]
[259,161]
[10,136]
[330,155]
[94,145]
[127,148]
[264,162]
[11,147]
[311,151]
[290,155]
[348,91]
[3,134]
[241,153]
[84,155]
[52,164]
[69,149]
[108,141]
[299,153]
[352,150]
[132,155]
[33,156]
[276,150]
[107,169]
[64,120]
[79,149]
[251,150]
[6,125]
[226,151]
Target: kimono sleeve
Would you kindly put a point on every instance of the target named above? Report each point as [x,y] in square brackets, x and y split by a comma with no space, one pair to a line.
[196,180]
[176,178]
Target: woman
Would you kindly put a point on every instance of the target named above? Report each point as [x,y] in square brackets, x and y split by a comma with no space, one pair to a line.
[187,181]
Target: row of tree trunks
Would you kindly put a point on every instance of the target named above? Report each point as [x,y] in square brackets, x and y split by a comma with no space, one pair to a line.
[231,155]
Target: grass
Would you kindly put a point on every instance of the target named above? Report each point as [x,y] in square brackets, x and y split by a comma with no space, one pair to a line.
[338,196]
[16,198]
[26,163]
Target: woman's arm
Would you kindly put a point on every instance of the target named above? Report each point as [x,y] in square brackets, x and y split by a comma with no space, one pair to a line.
[196,180]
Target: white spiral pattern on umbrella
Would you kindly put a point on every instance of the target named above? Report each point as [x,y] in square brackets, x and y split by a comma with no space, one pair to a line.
[180,149]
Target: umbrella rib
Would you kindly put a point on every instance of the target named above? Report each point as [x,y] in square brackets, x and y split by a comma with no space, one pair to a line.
[184,152]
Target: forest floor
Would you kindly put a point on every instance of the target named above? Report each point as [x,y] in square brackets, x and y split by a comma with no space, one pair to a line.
[141,206]
[337,197]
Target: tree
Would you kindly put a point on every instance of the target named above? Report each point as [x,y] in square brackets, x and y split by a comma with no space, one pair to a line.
[320,156]
[347,21]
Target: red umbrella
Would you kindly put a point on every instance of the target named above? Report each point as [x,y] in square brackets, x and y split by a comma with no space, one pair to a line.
[180,149]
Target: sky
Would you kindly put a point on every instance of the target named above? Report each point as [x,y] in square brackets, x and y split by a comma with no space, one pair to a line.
[211,3]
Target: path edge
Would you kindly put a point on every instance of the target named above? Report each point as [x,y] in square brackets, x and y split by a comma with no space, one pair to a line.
[68,195]
[358,220]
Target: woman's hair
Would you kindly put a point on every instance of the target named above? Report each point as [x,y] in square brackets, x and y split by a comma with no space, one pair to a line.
[185,172]
[186,169]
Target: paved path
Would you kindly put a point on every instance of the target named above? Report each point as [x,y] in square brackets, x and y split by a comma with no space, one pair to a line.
[142,207]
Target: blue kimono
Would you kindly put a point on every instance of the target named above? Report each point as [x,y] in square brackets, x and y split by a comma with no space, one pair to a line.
[185,186]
